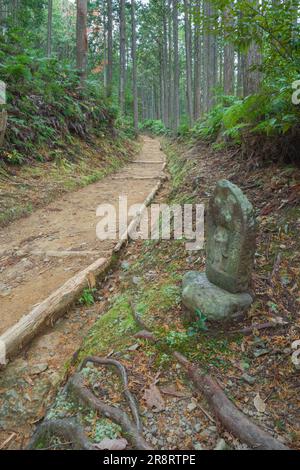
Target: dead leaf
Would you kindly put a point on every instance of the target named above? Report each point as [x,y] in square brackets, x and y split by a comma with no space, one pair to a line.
[259,404]
[112,444]
[153,398]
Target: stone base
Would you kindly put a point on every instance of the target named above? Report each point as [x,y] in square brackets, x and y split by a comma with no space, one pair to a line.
[215,303]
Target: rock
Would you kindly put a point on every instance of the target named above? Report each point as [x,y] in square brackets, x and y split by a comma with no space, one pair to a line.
[215,303]
[249,379]
[198,446]
[38,369]
[231,232]
[192,406]
[221,445]
[197,427]
[136,280]
[125,265]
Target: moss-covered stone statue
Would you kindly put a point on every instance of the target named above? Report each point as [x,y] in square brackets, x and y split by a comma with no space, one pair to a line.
[230,249]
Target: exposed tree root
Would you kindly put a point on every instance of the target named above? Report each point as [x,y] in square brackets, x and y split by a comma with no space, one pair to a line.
[259,326]
[231,418]
[86,397]
[65,429]
[123,375]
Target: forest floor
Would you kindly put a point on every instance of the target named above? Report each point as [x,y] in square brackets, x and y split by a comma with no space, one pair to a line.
[148,274]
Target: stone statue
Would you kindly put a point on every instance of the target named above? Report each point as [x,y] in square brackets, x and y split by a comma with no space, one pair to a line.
[230,250]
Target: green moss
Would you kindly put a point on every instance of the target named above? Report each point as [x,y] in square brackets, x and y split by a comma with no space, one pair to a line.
[113,330]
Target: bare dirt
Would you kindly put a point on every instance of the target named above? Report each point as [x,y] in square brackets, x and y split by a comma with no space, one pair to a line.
[39,253]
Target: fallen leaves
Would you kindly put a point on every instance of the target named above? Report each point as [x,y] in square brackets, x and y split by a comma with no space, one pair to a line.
[154,399]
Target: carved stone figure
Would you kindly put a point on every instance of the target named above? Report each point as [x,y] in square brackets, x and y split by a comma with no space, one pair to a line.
[231,231]
[230,250]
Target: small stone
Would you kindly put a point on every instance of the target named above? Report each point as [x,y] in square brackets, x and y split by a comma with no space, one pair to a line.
[136,280]
[125,265]
[212,429]
[192,406]
[197,427]
[221,445]
[38,369]
[249,379]
[198,446]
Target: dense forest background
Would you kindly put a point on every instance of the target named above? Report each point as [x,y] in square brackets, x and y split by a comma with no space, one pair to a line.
[212,69]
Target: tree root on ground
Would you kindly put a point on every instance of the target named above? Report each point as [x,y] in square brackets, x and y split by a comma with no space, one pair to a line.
[225,411]
[69,431]
[123,376]
[86,397]
[66,429]
[228,414]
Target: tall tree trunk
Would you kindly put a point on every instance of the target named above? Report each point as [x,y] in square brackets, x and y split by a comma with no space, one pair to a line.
[134,69]
[49,29]
[170,66]
[197,63]
[176,67]
[252,76]
[228,58]
[210,58]
[109,48]
[82,39]
[188,53]
[122,57]
[166,88]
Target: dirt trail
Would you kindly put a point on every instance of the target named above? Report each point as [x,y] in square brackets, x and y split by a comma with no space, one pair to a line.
[39,253]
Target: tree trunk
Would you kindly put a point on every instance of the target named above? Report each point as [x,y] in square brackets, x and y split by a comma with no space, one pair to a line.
[176,68]
[228,58]
[197,63]
[109,48]
[252,76]
[134,69]
[188,53]
[122,57]
[210,65]
[82,40]
[49,30]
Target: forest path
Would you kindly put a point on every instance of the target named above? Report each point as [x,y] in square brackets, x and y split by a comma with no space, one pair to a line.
[37,256]
[41,252]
